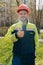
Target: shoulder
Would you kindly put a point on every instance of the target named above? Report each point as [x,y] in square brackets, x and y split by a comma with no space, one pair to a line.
[12,27]
[31,25]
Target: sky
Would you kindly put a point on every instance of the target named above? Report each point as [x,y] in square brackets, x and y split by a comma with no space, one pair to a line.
[37,4]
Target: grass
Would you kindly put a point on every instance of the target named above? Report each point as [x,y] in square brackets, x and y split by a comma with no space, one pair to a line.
[39,59]
[6,55]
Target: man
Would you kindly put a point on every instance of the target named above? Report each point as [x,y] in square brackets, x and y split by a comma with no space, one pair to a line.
[24,35]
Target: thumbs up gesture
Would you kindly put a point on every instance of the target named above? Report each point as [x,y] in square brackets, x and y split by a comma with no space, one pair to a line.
[20,34]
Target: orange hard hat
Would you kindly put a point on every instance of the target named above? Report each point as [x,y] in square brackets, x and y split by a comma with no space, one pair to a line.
[23,7]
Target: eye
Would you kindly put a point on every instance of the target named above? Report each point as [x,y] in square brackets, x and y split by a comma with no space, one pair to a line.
[20,13]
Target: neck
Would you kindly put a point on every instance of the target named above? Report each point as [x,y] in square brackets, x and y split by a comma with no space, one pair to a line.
[25,22]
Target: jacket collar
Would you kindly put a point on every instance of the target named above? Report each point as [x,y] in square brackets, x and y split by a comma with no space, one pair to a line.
[22,22]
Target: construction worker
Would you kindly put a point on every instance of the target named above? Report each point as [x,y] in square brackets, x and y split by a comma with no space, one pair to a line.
[24,36]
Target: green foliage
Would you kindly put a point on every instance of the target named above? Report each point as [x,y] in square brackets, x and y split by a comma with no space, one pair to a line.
[39,59]
[6,53]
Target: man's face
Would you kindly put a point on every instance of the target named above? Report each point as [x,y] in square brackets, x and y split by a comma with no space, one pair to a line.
[23,15]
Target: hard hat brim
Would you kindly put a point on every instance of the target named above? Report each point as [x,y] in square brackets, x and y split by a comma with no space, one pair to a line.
[28,11]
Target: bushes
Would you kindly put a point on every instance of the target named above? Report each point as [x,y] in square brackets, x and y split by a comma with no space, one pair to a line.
[39,59]
[6,53]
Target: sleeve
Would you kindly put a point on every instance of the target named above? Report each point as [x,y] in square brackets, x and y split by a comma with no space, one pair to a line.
[9,37]
[36,40]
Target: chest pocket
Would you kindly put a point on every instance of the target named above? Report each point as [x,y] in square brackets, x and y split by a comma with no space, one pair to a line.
[30,34]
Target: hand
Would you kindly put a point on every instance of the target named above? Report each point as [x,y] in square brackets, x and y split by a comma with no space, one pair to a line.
[20,34]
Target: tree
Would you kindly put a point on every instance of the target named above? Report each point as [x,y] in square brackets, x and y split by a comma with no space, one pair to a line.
[36,14]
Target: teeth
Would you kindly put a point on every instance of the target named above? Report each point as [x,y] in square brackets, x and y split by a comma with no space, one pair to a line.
[23,19]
